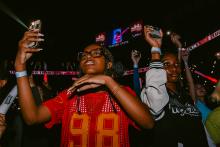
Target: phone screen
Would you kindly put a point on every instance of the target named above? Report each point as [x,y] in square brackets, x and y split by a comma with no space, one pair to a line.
[35,24]
[155,33]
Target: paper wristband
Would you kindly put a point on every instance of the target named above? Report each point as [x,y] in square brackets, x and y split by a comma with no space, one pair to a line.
[21,74]
[155,49]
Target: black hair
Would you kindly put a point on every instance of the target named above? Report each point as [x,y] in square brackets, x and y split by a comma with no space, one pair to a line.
[4,73]
[30,67]
[168,53]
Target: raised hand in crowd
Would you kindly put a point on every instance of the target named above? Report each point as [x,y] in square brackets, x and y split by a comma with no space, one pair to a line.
[154,42]
[175,39]
[135,56]
[24,51]
[185,57]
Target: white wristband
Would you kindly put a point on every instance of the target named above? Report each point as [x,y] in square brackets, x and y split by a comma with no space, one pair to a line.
[185,63]
[135,65]
[21,74]
[155,49]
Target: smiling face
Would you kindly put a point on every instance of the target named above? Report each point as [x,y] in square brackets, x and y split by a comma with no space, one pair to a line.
[93,61]
[172,67]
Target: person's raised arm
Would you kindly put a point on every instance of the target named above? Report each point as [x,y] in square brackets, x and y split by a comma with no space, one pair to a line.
[155,43]
[136,56]
[189,78]
[31,113]
[154,93]
[184,55]
[175,39]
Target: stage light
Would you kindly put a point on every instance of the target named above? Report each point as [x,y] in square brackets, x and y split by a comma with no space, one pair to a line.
[168,32]
[217,54]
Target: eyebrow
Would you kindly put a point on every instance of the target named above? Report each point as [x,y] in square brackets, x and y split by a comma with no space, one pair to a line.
[165,61]
[93,50]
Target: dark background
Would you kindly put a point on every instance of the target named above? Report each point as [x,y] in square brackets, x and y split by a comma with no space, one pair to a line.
[69,25]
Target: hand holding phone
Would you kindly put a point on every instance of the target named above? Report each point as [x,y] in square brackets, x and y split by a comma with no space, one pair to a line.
[155,31]
[154,42]
[35,25]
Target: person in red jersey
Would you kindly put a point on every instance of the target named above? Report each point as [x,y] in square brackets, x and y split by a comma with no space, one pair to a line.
[95,111]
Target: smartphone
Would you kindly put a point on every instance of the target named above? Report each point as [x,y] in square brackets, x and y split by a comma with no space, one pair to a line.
[35,24]
[155,33]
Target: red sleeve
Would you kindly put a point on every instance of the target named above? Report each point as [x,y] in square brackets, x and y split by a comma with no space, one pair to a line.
[56,108]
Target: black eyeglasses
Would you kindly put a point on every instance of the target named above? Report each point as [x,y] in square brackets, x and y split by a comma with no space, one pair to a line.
[94,53]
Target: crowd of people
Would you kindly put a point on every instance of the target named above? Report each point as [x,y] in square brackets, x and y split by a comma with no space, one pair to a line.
[100,110]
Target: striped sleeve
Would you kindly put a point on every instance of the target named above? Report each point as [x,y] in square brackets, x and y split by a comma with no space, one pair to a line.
[156,64]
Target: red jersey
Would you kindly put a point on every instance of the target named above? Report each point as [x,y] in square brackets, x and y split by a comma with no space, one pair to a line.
[90,120]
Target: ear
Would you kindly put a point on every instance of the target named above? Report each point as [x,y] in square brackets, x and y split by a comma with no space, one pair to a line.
[109,65]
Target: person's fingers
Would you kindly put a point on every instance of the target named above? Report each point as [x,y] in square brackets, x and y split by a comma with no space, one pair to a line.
[31,50]
[34,39]
[82,79]
[31,34]
[89,86]
[77,83]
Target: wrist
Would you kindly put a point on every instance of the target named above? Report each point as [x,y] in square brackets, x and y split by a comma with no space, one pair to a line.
[135,65]
[108,80]
[185,63]
[155,56]
[20,67]
[156,50]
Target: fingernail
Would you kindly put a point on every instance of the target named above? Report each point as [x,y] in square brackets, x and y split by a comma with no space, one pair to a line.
[40,39]
[78,90]
[36,30]
[39,34]
[40,49]
[69,92]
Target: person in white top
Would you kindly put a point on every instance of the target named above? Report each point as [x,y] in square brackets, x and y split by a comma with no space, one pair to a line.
[177,119]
